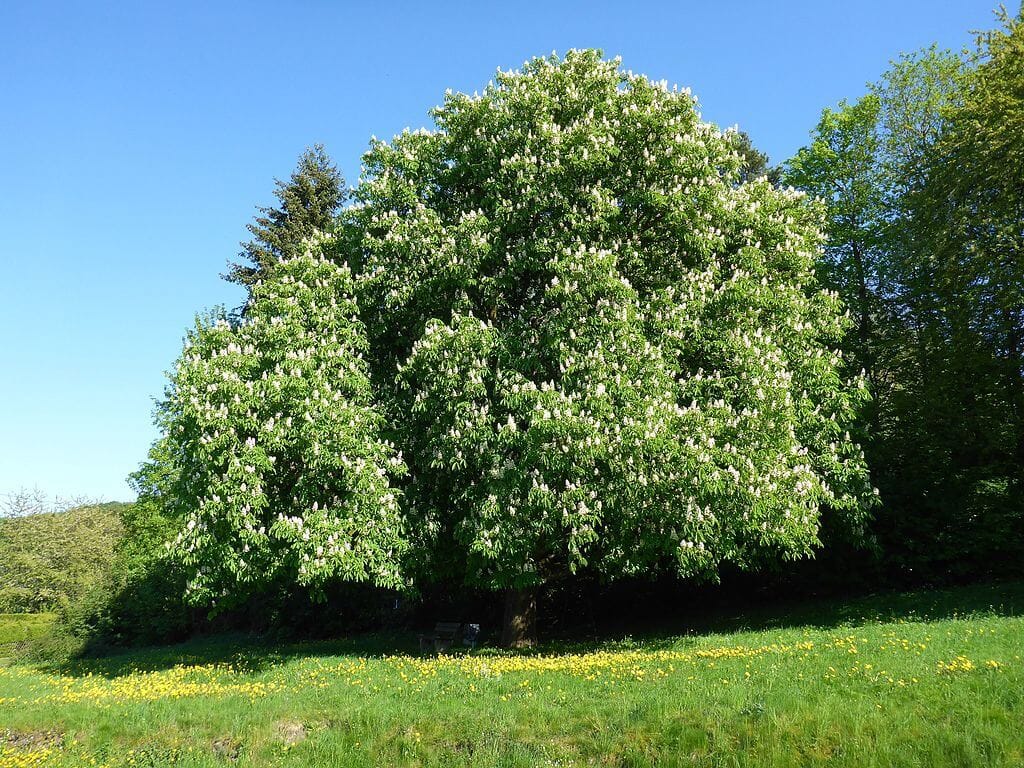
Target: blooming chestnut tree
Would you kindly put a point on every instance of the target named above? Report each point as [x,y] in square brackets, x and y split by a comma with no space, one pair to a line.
[608,351]
[272,448]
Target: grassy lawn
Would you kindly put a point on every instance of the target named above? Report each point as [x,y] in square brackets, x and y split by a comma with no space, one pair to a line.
[931,679]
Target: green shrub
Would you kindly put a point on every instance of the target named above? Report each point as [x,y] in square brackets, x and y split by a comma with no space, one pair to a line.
[139,601]
[17,630]
[49,560]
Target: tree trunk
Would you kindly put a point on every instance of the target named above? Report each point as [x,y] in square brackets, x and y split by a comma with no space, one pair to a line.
[520,626]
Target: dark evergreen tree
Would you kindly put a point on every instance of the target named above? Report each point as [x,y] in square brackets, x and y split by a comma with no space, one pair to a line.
[753,162]
[308,202]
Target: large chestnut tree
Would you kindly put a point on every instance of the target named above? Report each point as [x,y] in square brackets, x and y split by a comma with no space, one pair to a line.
[604,350]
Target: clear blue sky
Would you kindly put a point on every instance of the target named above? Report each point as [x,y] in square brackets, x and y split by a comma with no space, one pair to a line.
[137,137]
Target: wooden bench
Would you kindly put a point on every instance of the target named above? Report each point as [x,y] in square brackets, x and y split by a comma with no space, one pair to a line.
[445,635]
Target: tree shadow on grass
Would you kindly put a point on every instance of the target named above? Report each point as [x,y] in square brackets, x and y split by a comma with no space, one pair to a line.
[242,653]
[250,654]
[749,614]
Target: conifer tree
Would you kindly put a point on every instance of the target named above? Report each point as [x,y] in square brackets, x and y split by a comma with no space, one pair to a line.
[307,203]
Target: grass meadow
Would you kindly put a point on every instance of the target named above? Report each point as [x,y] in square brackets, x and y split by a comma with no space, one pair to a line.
[927,679]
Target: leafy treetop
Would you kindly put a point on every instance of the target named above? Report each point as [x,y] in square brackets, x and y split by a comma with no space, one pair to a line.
[609,352]
[273,450]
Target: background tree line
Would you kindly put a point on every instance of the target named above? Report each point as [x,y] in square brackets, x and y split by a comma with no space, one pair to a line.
[922,182]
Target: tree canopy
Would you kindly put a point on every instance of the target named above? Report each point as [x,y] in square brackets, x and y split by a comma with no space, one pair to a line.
[595,340]
[308,203]
[50,558]
[611,354]
[273,451]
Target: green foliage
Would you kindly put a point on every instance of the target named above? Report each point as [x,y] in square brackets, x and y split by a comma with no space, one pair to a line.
[597,342]
[51,559]
[973,207]
[921,182]
[100,569]
[273,462]
[610,352]
[968,287]
[141,599]
[841,167]
[17,630]
[753,162]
